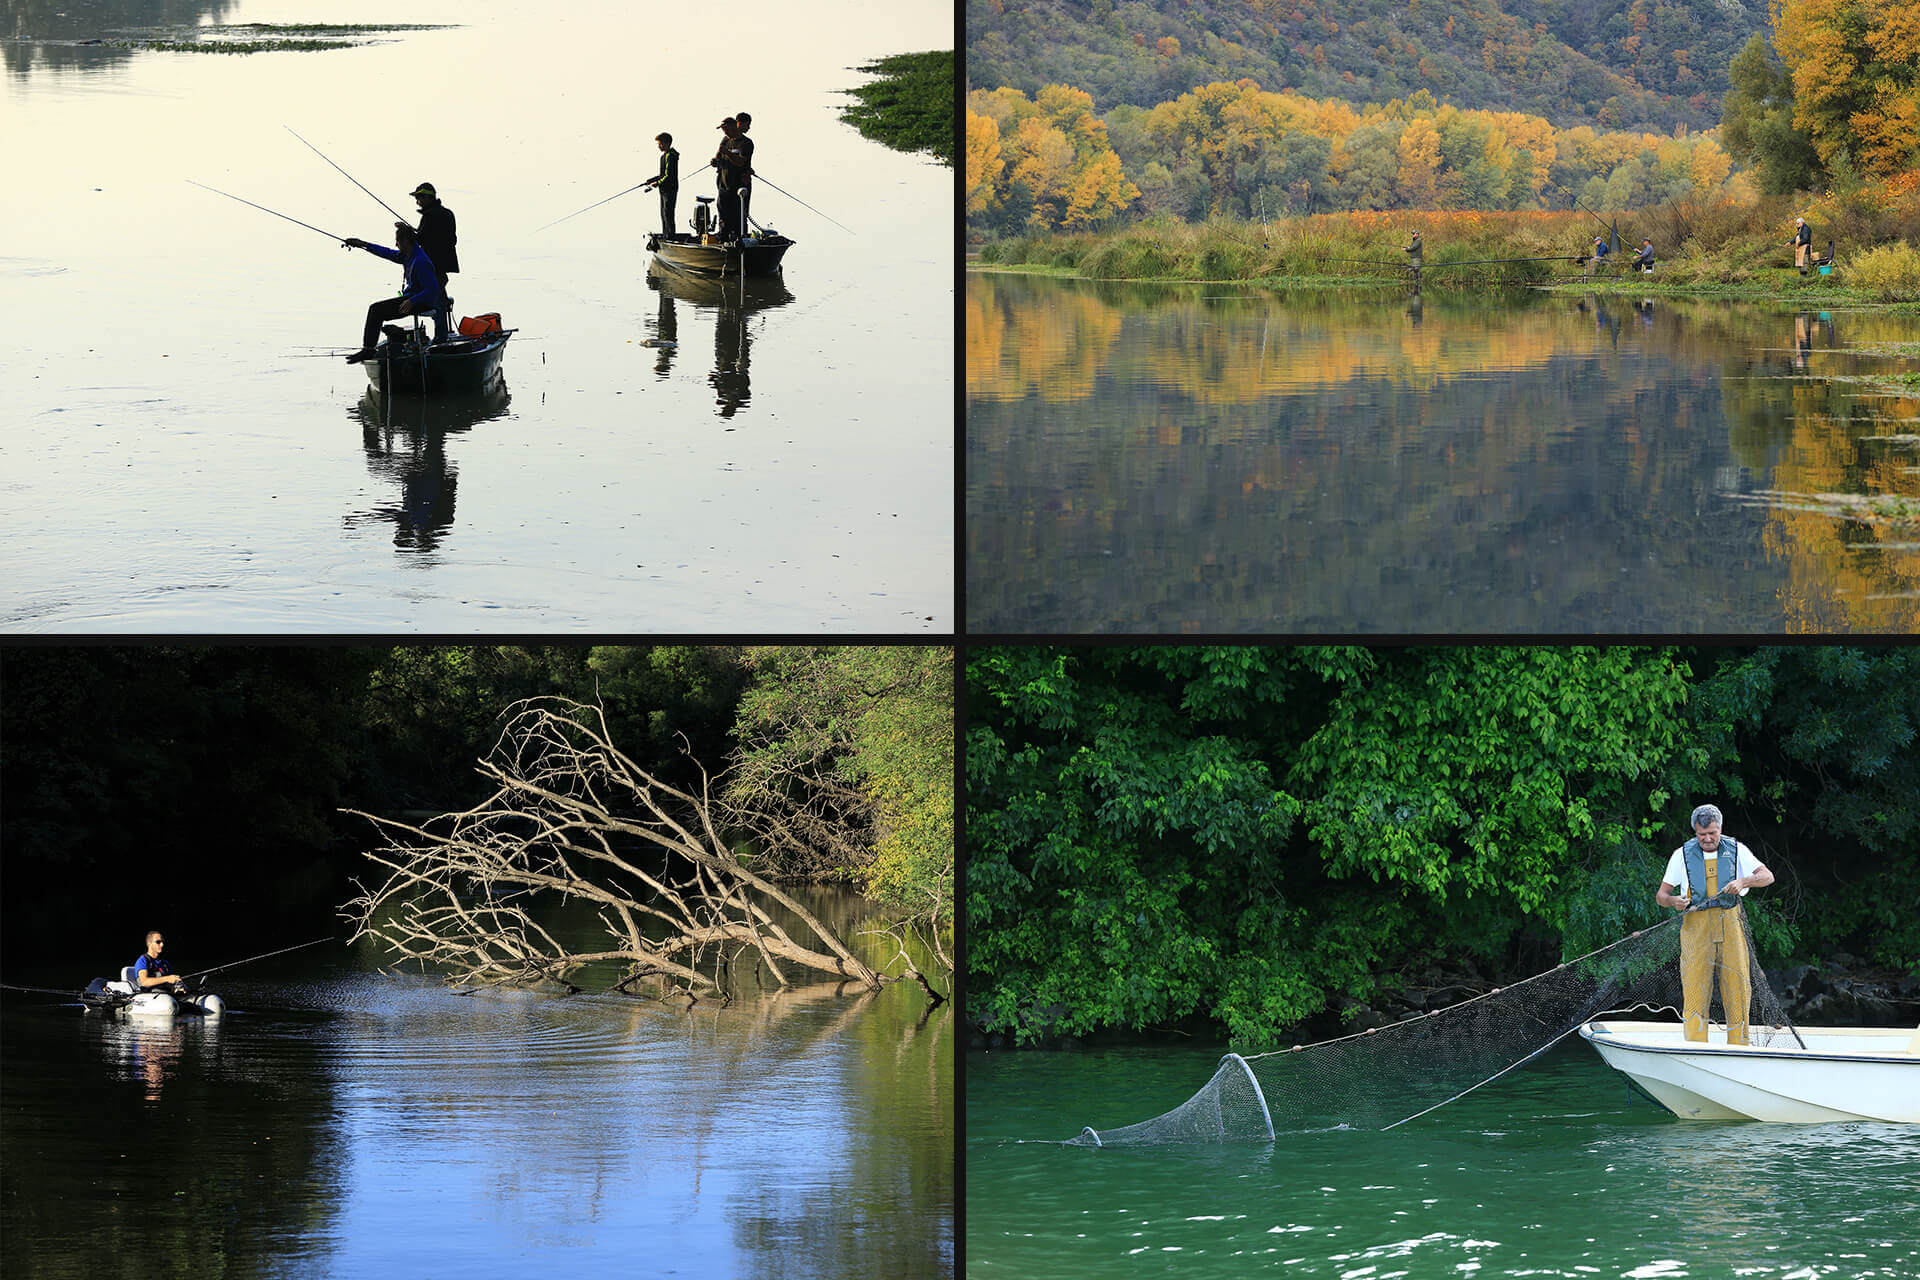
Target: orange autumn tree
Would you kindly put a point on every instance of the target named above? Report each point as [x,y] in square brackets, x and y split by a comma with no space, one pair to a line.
[1856,79]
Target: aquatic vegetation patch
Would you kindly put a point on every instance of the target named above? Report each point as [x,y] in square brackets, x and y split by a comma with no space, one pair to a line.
[1893,510]
[266,37]
[910,106]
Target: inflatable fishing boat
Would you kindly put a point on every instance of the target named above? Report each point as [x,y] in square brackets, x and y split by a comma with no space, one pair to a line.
[125,996]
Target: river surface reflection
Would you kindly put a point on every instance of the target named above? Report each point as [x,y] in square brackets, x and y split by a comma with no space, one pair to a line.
[1216,458]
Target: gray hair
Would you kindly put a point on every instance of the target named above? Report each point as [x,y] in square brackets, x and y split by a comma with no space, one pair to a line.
[1705,816]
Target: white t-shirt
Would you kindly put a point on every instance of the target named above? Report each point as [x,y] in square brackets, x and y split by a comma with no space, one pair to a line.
[1677,866]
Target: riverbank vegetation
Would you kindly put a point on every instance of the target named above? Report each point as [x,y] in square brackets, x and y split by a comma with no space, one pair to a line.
[909,106]
[210,782]
[1700,245]
[1250,837]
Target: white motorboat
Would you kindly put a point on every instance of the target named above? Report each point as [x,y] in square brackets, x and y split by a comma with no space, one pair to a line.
[124,995]
[1842,1073]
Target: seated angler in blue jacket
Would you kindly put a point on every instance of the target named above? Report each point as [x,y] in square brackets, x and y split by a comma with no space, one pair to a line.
[421,294]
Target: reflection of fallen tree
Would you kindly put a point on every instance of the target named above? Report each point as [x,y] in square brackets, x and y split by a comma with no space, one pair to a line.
[572,816]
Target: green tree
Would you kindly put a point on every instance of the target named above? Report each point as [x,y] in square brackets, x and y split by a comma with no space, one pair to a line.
[1251,834]
[848,752]
[1757,126]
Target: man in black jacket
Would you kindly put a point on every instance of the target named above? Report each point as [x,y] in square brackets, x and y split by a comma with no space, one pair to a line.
[437,236]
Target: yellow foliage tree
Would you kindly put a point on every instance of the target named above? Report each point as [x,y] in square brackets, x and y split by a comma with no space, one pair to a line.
[984,165]
[1856,78]
[1419,150]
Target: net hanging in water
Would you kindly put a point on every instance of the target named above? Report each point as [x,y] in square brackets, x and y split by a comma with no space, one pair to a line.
[1387,1076]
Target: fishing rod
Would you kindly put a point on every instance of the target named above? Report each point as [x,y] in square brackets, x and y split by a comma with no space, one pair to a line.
[262,208]
[234,964]
[349,177]
[595,205]
[804,205]
[1613,228]
[1372,262]
[1482,262]
[45,991]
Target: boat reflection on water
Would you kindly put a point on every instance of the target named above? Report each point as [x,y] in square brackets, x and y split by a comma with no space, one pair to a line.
[734,300]
[405,441]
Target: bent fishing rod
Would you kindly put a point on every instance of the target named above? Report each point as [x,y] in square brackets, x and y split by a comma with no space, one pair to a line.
[349,177]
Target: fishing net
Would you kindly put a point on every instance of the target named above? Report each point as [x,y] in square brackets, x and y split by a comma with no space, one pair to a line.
[1381,1078]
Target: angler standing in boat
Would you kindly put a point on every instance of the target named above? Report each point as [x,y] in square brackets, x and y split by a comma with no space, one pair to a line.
[151,970]
[421,293]
[730,164]
[667,181]
[1704,879]
[744,122]
[437,236]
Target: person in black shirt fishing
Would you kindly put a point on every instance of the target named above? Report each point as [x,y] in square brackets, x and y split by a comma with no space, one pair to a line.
[150,970]
[730,164]
[744,122]
[667,181]
[437,237]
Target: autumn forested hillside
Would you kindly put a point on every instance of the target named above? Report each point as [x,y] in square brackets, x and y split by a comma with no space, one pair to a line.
[1646,65]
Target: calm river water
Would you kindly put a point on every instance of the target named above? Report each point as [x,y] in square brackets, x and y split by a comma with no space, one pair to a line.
[179,453]
[1217,458]
[1556,1171]
[342,1123]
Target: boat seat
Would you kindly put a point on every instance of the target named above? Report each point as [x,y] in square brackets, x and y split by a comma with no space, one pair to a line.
[442,321]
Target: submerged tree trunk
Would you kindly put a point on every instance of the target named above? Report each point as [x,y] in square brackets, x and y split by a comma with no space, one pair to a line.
[571,815]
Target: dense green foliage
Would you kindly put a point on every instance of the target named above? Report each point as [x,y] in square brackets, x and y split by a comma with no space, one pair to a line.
[910,106]
[1612,64]
[1756,122]
[204,784]
[1253,836]
[875,725]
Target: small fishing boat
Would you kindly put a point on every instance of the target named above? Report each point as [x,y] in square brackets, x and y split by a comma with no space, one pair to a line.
[1842,1073]
[753,256]
[125,996]
[406,364]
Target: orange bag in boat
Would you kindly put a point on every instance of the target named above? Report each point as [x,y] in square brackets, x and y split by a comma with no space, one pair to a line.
[480,326]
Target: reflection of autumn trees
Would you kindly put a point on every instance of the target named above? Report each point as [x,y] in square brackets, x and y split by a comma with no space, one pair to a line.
[1828,441]
[1019,346]
[1320,462]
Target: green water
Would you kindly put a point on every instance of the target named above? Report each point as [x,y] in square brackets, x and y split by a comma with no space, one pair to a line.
[1558,1171]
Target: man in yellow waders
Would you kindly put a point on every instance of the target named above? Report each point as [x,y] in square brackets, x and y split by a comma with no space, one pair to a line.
[1713,939]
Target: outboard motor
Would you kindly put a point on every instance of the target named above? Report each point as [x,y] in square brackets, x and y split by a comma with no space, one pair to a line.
[702,216]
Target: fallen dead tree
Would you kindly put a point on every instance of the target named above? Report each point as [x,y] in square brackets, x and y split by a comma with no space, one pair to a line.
[573,817]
